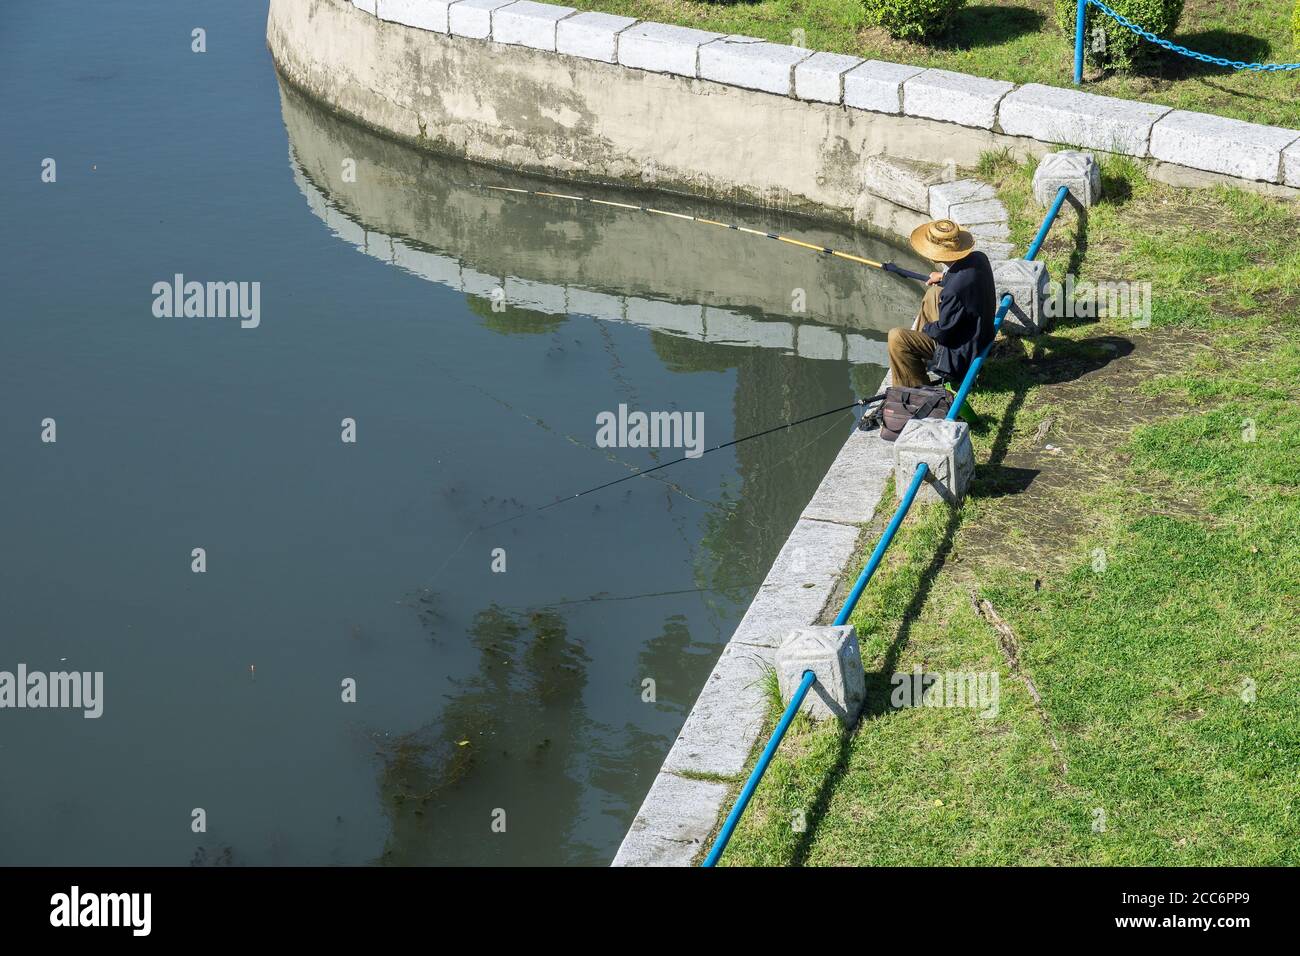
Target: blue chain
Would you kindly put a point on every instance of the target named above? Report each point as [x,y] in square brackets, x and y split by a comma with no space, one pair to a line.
[1183,51]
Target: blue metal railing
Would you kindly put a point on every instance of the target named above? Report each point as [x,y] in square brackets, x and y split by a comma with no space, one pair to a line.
[796,700]
[1150,37]
[729,825]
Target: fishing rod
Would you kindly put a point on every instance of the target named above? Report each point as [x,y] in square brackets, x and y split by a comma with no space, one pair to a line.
[824,250]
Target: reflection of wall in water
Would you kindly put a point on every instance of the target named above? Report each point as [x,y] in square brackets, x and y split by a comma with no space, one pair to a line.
[556,258]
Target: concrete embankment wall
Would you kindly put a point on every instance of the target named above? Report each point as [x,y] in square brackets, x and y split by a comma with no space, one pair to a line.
[718,116]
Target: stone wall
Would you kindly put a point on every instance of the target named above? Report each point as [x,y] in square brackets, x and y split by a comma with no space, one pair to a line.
[546,89]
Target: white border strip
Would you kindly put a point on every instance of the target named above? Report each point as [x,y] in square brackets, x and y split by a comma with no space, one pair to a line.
[1201,141]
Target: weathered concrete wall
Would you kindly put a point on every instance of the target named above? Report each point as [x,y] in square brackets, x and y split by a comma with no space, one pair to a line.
[557,115]
[520,105]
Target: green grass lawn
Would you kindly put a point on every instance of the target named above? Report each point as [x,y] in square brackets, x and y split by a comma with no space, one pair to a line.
[1149,575]
[1020,41]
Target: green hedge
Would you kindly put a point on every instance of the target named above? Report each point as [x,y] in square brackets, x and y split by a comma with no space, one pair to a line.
[1108,45]
[912,19]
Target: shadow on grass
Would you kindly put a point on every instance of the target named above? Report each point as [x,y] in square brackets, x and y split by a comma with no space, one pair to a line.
[1157,65]
[1074,360]
[985,25]
[1221,43]
[1081,234]
[1117,187]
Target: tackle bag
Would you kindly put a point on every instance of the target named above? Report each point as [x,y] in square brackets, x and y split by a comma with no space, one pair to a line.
[903,404]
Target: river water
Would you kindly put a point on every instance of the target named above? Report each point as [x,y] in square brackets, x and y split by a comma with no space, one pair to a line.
[473,337]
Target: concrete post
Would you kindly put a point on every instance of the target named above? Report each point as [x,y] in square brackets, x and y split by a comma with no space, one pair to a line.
[1068,167]
[945,448]
[832,654]
[1026,280]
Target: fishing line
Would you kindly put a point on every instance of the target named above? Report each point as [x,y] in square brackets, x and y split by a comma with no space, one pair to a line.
[604,598]
[631,207]
[678,461]
[824,250]
[646,471]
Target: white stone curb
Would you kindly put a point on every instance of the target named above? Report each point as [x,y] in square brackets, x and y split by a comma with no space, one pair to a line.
[529,24]
[663,49]
[755,64]
[955,98]
[944,196]
[680,812]
[593,36]
[473,18]
[1196,141]
[1291,165]
[659,841]
[878,86]
[1080,119]
[820,78]
[421,14]
[902,182]
[1221,145]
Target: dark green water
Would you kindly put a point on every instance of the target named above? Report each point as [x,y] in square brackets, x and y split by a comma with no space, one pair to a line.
[476,691]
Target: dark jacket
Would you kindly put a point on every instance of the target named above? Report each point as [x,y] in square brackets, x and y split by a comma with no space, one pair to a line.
[967,303]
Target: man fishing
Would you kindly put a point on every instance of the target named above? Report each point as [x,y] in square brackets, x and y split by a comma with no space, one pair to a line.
[956,320]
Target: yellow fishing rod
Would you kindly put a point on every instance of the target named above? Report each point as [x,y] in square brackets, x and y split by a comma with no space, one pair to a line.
[824,250]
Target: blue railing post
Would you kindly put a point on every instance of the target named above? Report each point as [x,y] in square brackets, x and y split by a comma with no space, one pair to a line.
[1078,41]
[878,554]
[729,825]
[1041,236]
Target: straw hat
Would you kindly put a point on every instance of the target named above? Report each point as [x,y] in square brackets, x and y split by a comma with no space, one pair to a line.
[942,241]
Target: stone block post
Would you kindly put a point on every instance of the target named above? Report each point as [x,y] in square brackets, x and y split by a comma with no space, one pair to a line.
[1026,280]
[945,448]
[832,654]
[1072,168]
